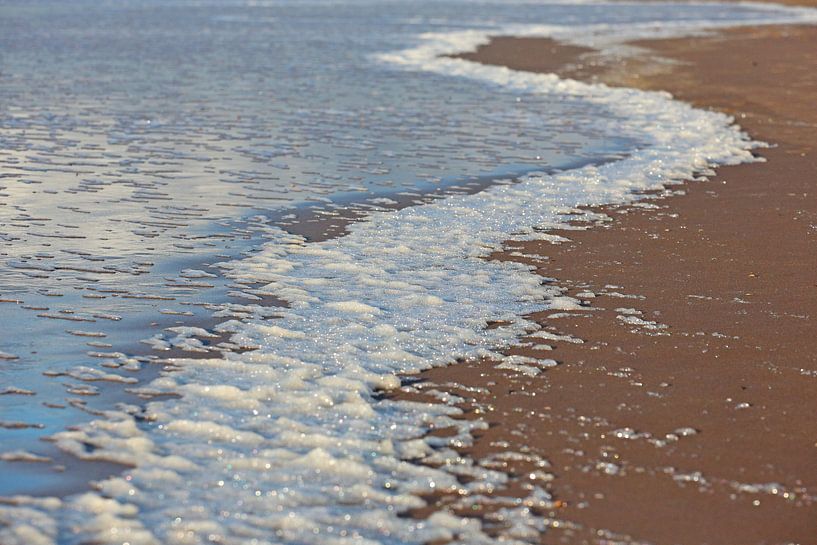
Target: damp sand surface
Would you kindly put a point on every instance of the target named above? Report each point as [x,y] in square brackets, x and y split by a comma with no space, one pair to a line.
[679,409]
[629,316]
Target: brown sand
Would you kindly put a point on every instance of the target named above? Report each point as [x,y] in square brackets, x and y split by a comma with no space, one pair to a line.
[730,268]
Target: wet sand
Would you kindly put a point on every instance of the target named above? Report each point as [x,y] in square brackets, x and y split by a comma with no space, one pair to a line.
[685,414]
[623,375]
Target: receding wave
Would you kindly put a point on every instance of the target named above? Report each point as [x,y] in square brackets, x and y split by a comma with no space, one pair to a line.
[292,441]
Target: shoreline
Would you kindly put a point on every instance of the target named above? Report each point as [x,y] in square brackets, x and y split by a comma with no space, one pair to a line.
[314,224]
[542,475]
[682,416]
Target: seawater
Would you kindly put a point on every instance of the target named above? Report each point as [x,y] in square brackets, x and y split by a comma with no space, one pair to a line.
[157,158]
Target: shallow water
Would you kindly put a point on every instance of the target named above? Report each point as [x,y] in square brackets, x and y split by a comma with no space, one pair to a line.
[143,143]
[138,137]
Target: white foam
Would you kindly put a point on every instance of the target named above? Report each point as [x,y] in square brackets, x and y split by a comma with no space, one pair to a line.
[289,443]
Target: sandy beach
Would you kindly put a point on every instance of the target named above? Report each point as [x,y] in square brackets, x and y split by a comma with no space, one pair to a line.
[297,208]
[681,408]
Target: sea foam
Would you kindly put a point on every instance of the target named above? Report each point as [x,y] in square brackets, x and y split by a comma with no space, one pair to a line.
[292,442]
